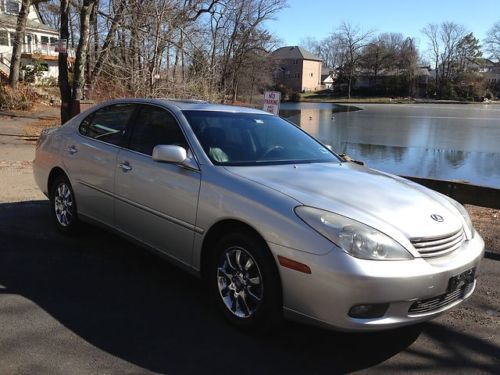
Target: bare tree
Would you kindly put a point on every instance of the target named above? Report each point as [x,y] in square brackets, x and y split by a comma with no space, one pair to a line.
[444,42]
[381,54]
[311,44]
[407,60]
[212,49]
[432,33]
[352,40]
[492,42]
[70,94]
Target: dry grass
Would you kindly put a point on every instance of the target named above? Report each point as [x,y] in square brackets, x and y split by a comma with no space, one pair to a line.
[487,223]
[20,99]
[33,130]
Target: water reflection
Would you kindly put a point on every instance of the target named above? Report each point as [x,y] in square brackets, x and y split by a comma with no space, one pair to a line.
[455,142]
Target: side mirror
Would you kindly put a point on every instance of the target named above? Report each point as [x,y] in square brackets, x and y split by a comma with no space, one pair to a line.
[169,154]
[174,155]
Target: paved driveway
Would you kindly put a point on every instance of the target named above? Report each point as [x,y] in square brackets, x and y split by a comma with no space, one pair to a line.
[99,304]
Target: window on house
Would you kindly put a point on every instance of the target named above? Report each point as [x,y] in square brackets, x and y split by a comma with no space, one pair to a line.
[4,38]
[44,39]
[12,6]
[12,38]
[53,40]
[295,62]
[311,74]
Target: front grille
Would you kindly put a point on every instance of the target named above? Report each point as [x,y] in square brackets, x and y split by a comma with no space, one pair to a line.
[436,303]
[437,246]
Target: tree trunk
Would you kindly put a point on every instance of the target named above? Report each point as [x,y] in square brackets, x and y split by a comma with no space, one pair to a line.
[15,62]
[94,51]
[81,51]
[182,59]
[349,86]
[64,87]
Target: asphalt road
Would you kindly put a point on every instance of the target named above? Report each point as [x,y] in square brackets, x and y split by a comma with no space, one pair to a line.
[99,304]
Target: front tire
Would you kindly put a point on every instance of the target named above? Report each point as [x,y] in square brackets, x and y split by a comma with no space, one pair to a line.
[244,281]
[63,205]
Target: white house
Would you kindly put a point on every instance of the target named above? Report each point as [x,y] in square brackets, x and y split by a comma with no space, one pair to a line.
[328,77]
[39,41]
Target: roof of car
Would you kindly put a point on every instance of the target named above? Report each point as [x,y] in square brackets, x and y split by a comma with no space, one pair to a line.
[191,105]
[205,106]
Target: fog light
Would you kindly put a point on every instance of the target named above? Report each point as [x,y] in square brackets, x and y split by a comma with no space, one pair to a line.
[368,311]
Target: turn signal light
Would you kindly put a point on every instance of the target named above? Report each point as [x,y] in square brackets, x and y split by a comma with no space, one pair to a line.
[294,265]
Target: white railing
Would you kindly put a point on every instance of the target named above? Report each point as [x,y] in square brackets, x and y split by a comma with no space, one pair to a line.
[45,49]
[4,64]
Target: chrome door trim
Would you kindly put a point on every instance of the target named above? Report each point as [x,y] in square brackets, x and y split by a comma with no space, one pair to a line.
[147,209]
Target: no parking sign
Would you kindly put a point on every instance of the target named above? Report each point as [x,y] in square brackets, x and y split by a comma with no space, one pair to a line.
[272,102]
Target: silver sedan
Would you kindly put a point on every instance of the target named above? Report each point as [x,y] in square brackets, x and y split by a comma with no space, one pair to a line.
[275,222]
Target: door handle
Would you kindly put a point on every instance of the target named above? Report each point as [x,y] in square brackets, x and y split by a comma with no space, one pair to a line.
[125,166]
[72,150]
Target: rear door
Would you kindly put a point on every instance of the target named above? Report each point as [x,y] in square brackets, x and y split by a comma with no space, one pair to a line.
[156,202]
[90,159]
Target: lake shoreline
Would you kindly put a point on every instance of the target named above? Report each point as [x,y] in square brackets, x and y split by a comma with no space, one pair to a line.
[387,101]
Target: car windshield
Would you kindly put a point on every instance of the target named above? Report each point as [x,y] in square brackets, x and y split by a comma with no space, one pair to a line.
[231,138]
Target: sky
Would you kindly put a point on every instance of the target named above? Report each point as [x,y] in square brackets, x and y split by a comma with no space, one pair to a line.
[318,18]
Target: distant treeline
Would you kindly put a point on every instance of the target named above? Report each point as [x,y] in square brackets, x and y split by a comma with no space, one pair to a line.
[454,65]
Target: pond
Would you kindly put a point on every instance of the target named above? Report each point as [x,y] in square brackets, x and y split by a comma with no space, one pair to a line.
[443,141]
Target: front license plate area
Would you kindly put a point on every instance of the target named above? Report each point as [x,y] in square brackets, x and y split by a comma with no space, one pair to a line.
[460,280]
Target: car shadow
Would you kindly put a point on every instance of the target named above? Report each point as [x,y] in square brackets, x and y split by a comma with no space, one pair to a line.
[130,303]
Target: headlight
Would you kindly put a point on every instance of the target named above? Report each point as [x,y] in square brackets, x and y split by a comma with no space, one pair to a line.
[469,229]
[355,238]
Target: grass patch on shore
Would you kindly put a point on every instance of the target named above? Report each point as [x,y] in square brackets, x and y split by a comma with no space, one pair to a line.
[327,97]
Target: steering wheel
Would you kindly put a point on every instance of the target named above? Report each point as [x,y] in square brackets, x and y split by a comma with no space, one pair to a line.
[271,150]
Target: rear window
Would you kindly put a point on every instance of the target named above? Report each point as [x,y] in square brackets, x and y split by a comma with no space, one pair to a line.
[108,124]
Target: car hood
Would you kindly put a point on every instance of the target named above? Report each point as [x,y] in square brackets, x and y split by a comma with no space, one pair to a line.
[388,203]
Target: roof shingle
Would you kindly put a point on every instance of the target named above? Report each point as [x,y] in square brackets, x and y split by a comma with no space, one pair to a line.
[294,52]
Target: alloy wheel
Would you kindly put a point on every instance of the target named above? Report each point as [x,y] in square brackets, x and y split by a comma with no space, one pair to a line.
[63,204]
[240,282]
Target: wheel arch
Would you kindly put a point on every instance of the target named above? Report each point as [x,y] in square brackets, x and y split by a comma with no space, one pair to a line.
[54,173]
[226,226]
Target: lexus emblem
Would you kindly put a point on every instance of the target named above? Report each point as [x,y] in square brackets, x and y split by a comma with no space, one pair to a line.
[437,218]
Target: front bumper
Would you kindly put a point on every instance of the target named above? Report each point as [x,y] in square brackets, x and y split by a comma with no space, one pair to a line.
[339,281]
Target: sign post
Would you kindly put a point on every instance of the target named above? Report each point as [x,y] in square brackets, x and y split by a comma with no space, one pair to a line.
[272,102]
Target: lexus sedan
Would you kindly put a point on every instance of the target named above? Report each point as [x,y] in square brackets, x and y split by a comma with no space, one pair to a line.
[276,223]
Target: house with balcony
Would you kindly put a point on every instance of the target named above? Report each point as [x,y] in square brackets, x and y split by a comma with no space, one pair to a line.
[39,43]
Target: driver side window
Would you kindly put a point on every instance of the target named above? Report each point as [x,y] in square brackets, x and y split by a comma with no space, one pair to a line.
[155,126]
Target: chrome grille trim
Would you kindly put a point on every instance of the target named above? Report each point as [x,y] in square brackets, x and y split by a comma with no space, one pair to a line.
[437,246]
[439,302]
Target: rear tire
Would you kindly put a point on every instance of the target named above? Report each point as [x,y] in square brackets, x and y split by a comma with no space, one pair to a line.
[63,205]
[244,281]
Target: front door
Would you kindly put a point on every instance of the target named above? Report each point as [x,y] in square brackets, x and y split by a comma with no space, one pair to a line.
[156,202]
